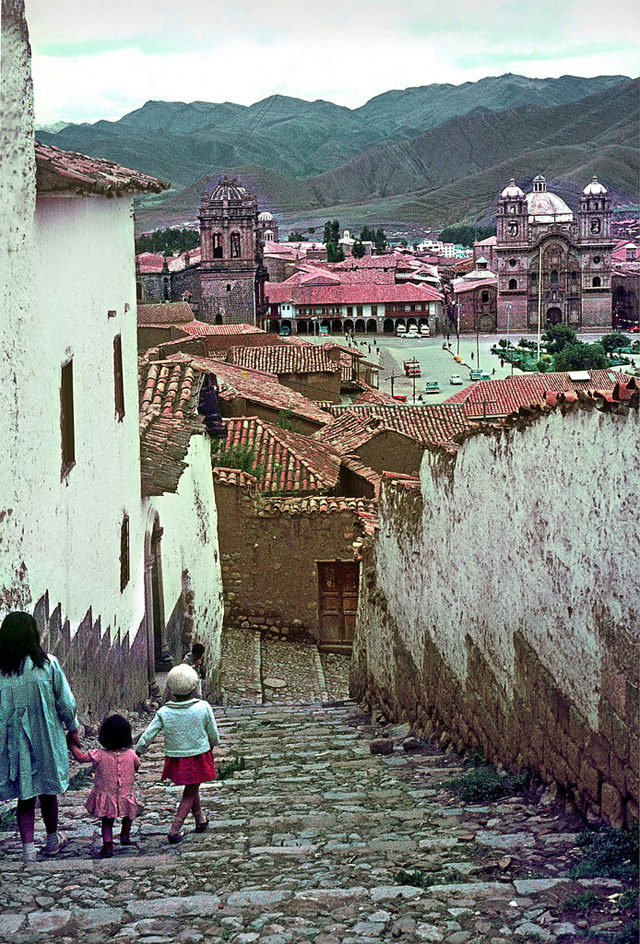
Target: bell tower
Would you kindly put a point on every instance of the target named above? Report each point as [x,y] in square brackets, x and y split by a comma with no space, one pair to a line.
[512,222]
[594,216]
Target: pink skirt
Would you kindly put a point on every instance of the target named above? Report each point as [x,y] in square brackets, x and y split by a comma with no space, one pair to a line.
[184,771]
[113,806]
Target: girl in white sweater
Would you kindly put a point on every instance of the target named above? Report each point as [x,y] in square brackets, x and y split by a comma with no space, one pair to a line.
[190,731]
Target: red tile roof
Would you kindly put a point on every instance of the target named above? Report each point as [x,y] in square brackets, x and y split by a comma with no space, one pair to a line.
[169,313]
[255,386]
[58,170]
[283,461]
[372,395]
[365,293]
[469,285]
[428,425]
[486,398]
[153,262]
[366,509]
[283,359]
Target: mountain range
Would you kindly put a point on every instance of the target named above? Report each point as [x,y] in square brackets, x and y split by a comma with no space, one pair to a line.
[430,155]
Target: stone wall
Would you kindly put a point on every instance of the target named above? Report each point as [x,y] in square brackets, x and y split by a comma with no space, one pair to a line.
[269,557]
[499,604]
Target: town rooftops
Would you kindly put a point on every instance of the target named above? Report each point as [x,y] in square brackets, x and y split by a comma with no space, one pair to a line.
[148,263]
[169,313]
[254,386]
[284,359]
[428,425]
[351,430]
[63,171]
[492,398]
[283,461]
[294,292]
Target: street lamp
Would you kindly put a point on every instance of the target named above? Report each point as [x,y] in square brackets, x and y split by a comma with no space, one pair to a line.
[508,307]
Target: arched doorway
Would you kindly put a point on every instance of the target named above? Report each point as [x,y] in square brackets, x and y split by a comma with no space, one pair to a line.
[302,327]
[412,323]
[274,325]
[372,326]
[388,326]
[218,319]
[336,326]
[327,325]
[360,326]
[423,322]
[159,659]
[554,315]
[348,325]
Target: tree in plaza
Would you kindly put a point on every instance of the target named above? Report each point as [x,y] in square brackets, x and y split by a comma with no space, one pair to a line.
[558,336]
[335,252]
[380,240]
[357,250]
[615,341]
[581,356]
[296,237]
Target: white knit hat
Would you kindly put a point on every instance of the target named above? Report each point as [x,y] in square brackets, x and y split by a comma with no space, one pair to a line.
[182,680]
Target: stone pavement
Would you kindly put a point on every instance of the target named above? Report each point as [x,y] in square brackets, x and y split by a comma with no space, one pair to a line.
[314,841]
[262,668]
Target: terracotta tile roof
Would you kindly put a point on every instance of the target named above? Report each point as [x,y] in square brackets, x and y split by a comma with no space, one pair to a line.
[283,359]
[361,293]
[387,261]
[169,388]
[486,398]
[284,461]
[153,262]
[428,425]
[254,386]
[234,477]
[201,329]
[169,313]
[468,285]
[354,465]
[164,443]
[343,348]
[58,170]
[366,509]
[149,262]
[403,481]
[371,395]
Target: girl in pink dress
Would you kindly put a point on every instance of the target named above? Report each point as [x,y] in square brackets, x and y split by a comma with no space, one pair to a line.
[114,767]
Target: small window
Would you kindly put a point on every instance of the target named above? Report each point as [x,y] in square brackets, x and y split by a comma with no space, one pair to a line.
[374,310]
[118,377]
[124,553]
[513,263]
[513,283]
[597,281]
[596,260]
[485,298]
[235,245]
[574,276]
[534,276]
[228,287]
[553,277]
[67,423]
[217,246]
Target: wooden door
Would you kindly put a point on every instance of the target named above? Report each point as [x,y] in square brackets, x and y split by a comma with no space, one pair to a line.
[338,601]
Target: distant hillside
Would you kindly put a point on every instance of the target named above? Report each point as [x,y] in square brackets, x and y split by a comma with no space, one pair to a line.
[403,151]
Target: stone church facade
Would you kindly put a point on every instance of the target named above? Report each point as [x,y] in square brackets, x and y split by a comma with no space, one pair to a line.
[552,267]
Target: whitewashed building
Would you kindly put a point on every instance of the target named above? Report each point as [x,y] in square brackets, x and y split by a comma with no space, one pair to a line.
[75,539]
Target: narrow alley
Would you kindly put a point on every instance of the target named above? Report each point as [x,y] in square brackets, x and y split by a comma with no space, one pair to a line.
[312,838]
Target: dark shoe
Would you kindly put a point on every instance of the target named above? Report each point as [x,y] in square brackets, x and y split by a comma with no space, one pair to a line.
[125,839]
[106,852]
[202,827]
[174,838]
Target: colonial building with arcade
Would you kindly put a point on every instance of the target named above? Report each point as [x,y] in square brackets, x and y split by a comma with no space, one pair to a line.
[552,268]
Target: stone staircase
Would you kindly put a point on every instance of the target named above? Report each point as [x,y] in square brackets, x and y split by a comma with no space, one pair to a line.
[315,840]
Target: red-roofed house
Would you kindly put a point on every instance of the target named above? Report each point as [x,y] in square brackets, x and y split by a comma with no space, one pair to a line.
[488,399]
[309,369]
[321,303]
[375,442]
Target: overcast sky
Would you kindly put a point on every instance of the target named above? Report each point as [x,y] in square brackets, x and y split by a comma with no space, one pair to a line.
[94,60]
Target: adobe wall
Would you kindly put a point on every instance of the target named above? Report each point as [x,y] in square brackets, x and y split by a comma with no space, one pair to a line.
[269,561]
[389,452]
[314,386]
[499,605]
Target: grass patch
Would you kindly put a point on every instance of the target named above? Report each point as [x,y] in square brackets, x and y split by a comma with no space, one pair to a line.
[229,767]
[422,879]
[581,903]
[607,852]
[82,779]
[485,782]
[629,934]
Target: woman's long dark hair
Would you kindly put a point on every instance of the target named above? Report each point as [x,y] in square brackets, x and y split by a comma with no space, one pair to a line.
[19,638]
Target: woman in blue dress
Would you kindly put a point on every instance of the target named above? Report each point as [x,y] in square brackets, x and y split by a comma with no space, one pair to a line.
[36,705]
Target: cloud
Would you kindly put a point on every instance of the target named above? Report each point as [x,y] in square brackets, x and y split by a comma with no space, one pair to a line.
[90,62]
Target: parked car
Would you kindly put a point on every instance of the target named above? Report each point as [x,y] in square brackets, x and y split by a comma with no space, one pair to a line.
[412,332]
[400,330]
[479,375]
[400,397]
[424,331]
[455,379]
[432,386]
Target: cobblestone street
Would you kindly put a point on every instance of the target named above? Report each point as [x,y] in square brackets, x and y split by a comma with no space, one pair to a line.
[317,840]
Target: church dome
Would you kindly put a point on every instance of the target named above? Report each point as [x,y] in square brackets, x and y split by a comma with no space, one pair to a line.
[543,206]
[265,217]
[595,188]
[512,191]
[228,190]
